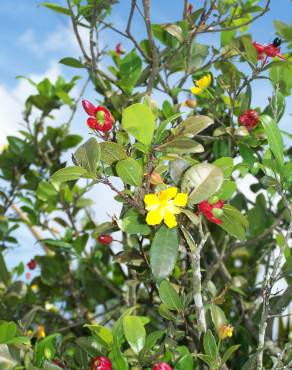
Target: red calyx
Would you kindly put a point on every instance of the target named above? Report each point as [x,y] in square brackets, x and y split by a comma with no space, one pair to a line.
[101,363]
[189,9]
[59,363]
[162,366]
[206,208]
[249,119]
[118,49]
[105,239]
[267,51]
[32,264]
[100,118]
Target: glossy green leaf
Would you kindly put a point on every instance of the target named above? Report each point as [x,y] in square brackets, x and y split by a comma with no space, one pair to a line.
[134,332]
[112,152]
[130,69]
[7,331]
[133,223]
[228,353]
[186,362]
[193,125]
[130,171]
[218,316]
[233,222]
[88,155]
[68,173]
[201,182]
[169,296]
[7,360]
[72,62]
[103,334]
[163,252]
[56,8]
[210,345]
[274,138]
[139,121]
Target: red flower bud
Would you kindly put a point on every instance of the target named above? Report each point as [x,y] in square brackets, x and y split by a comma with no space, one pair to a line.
[100,118]
[58,363]
[249,119]
[88,107]
[105,239]
[101,363]
[162,366]
[189,8]
[207,209]
[32,264]
[119,49]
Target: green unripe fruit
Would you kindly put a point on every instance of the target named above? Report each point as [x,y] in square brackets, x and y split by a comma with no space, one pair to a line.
[100,116]
[217,212]
[214,199]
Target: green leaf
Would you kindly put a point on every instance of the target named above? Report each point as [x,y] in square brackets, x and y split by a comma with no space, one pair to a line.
[276,107]
[218,316]
[71,141]
[208,360]
[130,70]
[181,145]
[233,222]
[210,345]
[139,121]
[229,352]
[7,360]
[47,344]
[274,138]
[88,155]
[4,273]
[193,125]
[133,223]
[72,62]
[46,190]
[134,332]
[251,363]
[175,31]
[130,171]
[112,152]
[7,331]
[201,182]
[80,242]
[227,190]
[103,334]
[152,339]
[226,165]
[56,8]
[186,362]
[68,173]
[163,252]
[169,296]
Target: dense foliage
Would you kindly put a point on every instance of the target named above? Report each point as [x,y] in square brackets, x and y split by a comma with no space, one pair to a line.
[186,276]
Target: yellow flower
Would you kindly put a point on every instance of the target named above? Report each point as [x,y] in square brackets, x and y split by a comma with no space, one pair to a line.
[40,332]
[164,206]
[225,331]
[201,84]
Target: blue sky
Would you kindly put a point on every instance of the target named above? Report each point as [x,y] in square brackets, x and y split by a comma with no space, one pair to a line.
[33,39]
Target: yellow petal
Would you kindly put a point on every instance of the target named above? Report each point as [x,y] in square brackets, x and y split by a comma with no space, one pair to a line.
[196,90]
[168,193]
[154,217]
[181,199]
[169,219]
[151,200]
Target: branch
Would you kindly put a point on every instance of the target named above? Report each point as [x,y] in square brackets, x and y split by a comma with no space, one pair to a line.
[154,53]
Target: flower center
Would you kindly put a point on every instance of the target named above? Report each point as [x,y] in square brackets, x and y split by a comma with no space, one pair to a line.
[100,117]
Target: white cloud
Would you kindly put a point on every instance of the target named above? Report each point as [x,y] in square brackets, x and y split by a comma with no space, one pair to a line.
[12,101]
[62,39]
